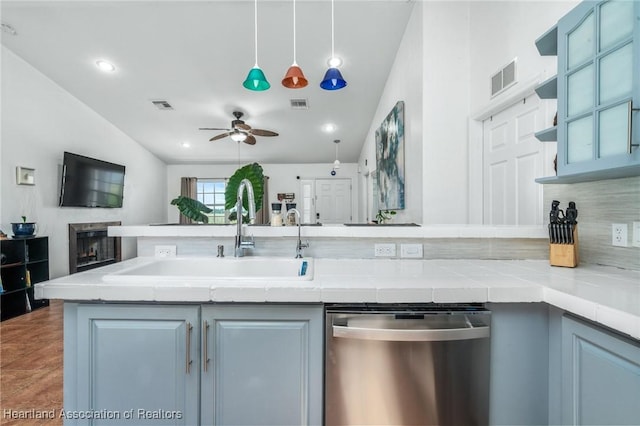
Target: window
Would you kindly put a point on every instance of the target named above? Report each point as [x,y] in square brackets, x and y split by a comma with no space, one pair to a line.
[210,192]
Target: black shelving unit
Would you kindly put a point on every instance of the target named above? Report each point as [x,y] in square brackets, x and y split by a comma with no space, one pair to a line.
[25,262]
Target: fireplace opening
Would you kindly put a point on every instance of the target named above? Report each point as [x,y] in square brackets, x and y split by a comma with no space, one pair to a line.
[90,247]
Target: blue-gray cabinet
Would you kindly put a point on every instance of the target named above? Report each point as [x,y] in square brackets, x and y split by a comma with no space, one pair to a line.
[601,376]
[598,91]
[194,364]
[262,365]
[134,364]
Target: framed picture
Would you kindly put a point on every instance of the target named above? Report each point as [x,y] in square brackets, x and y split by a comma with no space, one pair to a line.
[25,176]
[390,160]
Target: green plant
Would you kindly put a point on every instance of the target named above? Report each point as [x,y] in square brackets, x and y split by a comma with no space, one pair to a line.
[254,173]
[193,209]
[384,215]
[24,219]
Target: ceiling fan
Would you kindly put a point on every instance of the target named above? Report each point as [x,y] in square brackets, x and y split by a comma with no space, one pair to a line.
[240,131]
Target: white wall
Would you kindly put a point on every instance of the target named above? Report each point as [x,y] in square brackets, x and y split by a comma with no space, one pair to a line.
[40,121]
[442,71]
[500,32]
[405,83]
[282,178]
[445,110]
[503,30]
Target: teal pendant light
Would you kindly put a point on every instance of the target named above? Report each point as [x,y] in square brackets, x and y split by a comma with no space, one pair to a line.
[256,79]
[333,79]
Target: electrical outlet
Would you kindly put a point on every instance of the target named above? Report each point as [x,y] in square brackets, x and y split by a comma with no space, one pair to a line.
[385,250]
[411,250]
[619,234]
[165,251]
[636,234]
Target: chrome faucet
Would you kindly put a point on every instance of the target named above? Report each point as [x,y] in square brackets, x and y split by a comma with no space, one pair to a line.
[299,245]
[241,242]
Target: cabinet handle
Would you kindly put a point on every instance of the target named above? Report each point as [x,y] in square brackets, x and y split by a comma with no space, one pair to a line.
[205,345]
[631,145]
[189,330]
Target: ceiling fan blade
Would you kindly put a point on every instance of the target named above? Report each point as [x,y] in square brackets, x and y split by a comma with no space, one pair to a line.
[261,132]
[213,128]
[243,126]
[220,136]
[250,140]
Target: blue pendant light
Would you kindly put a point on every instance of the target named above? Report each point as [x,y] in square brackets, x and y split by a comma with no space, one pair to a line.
[256,79]
[333,79]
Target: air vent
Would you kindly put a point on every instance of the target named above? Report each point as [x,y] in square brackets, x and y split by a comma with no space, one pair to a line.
[299,104]
[162,105]
[503,79]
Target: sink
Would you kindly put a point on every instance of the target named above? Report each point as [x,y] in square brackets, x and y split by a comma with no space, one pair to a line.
[215,269]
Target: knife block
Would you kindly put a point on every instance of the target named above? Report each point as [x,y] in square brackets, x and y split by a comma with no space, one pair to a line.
[565,254]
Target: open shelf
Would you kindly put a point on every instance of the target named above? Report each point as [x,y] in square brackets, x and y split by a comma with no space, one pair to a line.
[26,263]
[547,135]
[548,89]
[547,43]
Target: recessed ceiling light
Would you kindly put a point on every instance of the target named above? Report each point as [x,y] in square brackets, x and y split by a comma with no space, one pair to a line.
[185,144]
[329,128]
[105,66]
[334,62]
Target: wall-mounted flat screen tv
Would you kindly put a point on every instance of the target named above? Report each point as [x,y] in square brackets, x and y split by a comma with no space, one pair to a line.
[88,182]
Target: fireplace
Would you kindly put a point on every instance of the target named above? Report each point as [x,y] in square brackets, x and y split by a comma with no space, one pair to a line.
[90,247]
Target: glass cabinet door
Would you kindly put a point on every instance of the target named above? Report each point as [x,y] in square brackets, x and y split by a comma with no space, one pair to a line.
[597,74]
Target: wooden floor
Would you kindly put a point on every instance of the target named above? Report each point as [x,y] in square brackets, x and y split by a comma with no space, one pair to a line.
[31,367]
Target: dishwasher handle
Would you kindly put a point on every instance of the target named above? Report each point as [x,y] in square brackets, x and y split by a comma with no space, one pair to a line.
[411,335]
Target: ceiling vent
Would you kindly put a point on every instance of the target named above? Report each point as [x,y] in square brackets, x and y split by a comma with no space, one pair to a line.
[503,79]
[299,104]
[162,105]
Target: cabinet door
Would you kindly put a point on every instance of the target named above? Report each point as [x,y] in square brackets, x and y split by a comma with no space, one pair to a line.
[262,365]
[597,86]
[140,363]
[601,376]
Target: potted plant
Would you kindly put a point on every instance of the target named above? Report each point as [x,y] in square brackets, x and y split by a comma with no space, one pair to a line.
[24,228]
[193,209]
[384,215]
[254,173]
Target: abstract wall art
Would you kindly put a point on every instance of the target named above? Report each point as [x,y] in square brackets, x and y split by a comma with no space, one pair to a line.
[390,160]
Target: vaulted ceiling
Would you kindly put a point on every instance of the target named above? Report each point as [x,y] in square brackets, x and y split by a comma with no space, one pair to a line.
[196,54]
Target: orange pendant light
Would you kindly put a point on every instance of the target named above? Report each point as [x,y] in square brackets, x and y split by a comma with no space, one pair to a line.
[294,78]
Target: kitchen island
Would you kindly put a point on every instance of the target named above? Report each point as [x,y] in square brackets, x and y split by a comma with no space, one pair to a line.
[276,326]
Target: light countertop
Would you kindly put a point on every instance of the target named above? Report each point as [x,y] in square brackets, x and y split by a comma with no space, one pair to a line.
[610,296]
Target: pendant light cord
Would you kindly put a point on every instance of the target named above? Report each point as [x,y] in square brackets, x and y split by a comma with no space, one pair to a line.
[332,32]
[255,32]
[294,32]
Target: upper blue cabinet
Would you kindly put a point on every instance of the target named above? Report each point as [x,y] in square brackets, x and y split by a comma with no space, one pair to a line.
[598,88]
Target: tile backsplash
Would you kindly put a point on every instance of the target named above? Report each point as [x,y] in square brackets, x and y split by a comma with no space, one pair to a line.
[359,248]
[601,204]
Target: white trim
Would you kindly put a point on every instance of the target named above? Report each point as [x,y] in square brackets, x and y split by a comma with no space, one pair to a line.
[494,107]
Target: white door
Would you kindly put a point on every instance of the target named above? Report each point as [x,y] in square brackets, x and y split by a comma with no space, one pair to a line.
[306,203]
[513,159]
[333,200]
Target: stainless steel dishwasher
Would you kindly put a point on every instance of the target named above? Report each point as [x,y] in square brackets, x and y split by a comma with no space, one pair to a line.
[406,364]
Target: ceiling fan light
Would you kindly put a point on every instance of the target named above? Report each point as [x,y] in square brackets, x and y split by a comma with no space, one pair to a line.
[238,136]
[256,80]
[333,80]
[294,78]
